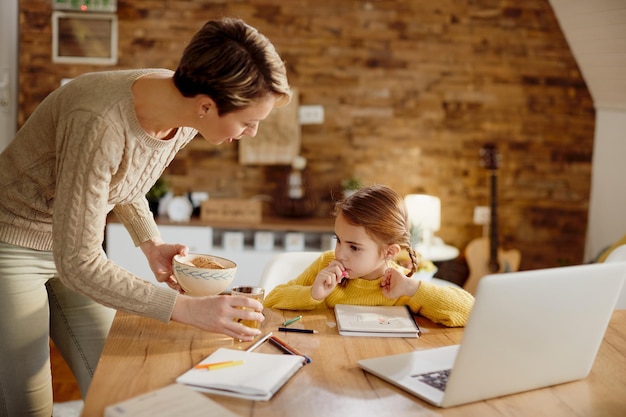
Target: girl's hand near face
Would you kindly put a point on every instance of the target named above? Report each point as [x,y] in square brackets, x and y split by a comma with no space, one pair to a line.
[327,279]
[396,285]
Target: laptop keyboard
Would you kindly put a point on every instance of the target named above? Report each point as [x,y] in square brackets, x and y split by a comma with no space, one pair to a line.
[436,379]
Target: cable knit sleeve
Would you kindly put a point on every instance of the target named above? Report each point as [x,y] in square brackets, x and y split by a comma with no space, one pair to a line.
[445,305]
[86,161]
[138,220]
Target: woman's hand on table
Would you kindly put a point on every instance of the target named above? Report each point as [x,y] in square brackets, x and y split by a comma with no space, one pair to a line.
[220,314]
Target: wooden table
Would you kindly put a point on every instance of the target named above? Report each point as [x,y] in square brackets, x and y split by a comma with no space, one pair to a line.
[142,355]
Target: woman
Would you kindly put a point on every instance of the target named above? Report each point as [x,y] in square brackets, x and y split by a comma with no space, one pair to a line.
[98,144]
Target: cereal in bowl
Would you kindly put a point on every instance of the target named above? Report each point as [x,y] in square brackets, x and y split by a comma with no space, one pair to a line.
[205,262]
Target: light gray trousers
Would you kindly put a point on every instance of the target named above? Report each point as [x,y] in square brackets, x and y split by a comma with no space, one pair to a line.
[34,307]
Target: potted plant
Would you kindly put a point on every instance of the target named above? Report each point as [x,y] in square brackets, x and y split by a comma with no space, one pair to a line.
[350,186]
[156,193]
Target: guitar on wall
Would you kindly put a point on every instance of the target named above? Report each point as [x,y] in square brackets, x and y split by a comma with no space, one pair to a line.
[483,254]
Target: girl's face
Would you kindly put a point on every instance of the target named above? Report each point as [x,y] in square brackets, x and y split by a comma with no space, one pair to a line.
[232,126]
[359,254]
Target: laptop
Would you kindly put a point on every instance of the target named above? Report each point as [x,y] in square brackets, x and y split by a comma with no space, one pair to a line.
[527,330]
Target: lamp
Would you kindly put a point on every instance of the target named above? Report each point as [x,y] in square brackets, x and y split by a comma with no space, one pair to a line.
[425,217]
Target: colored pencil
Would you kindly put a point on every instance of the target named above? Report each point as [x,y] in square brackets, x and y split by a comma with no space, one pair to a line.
[293,329]
[288,322]
[288,349]
[218,365]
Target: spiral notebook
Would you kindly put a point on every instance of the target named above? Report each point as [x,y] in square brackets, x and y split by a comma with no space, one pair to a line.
[257,376]
[376,321]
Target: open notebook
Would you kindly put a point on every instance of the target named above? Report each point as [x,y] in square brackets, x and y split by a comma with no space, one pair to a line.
[258,376]
[527,330]
[381,321]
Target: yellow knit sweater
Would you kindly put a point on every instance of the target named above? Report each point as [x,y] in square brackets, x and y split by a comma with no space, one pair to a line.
[446,305]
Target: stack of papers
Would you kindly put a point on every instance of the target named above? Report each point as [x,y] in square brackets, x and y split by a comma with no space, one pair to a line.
[254,376]
[380,321]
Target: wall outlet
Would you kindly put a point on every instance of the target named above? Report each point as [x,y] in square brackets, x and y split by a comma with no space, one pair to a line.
[311,115]
[482,215]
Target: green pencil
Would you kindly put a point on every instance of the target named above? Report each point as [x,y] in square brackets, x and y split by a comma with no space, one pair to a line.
[288,322]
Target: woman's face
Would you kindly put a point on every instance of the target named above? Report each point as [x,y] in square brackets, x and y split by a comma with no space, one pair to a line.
[234,125]
[359,254]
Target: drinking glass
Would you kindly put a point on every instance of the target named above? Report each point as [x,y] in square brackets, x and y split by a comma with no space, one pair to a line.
[257,293]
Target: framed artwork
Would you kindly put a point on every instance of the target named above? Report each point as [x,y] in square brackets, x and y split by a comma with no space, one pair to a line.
[86,5]
[84,38]
[277,141]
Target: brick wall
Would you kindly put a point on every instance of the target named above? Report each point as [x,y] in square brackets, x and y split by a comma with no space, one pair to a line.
[412,89]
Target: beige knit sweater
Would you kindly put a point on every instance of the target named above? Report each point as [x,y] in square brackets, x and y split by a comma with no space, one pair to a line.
[81,154]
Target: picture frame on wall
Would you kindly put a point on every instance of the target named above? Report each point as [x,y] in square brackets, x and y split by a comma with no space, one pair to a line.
[86,5]
[277,141]
[84,38]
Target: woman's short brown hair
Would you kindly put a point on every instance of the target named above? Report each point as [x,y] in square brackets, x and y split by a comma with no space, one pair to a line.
[234,64]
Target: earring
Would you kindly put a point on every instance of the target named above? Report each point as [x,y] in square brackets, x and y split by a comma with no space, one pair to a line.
[202,116]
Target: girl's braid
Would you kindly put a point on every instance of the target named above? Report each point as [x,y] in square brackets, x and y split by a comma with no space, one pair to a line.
[414,260]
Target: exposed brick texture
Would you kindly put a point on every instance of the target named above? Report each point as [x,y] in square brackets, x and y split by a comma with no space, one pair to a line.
[411,89]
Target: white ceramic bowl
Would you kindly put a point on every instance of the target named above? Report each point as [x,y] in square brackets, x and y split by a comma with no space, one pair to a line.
[203,281]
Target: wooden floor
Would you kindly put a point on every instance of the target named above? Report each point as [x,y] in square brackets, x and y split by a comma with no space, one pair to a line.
[64,385]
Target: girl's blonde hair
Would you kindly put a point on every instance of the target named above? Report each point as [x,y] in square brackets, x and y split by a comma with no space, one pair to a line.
[234,64]
[383,214]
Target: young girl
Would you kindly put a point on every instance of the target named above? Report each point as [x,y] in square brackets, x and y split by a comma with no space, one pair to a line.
[372,228]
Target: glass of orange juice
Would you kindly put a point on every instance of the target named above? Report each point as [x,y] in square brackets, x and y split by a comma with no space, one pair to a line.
[257,293]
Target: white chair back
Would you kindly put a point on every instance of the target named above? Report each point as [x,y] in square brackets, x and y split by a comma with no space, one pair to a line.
[619,255]
[284,267]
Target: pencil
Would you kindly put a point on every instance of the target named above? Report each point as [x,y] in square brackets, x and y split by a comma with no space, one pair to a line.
[218,365]
[292,329]
[259,342]
[288,349]
[288,322]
